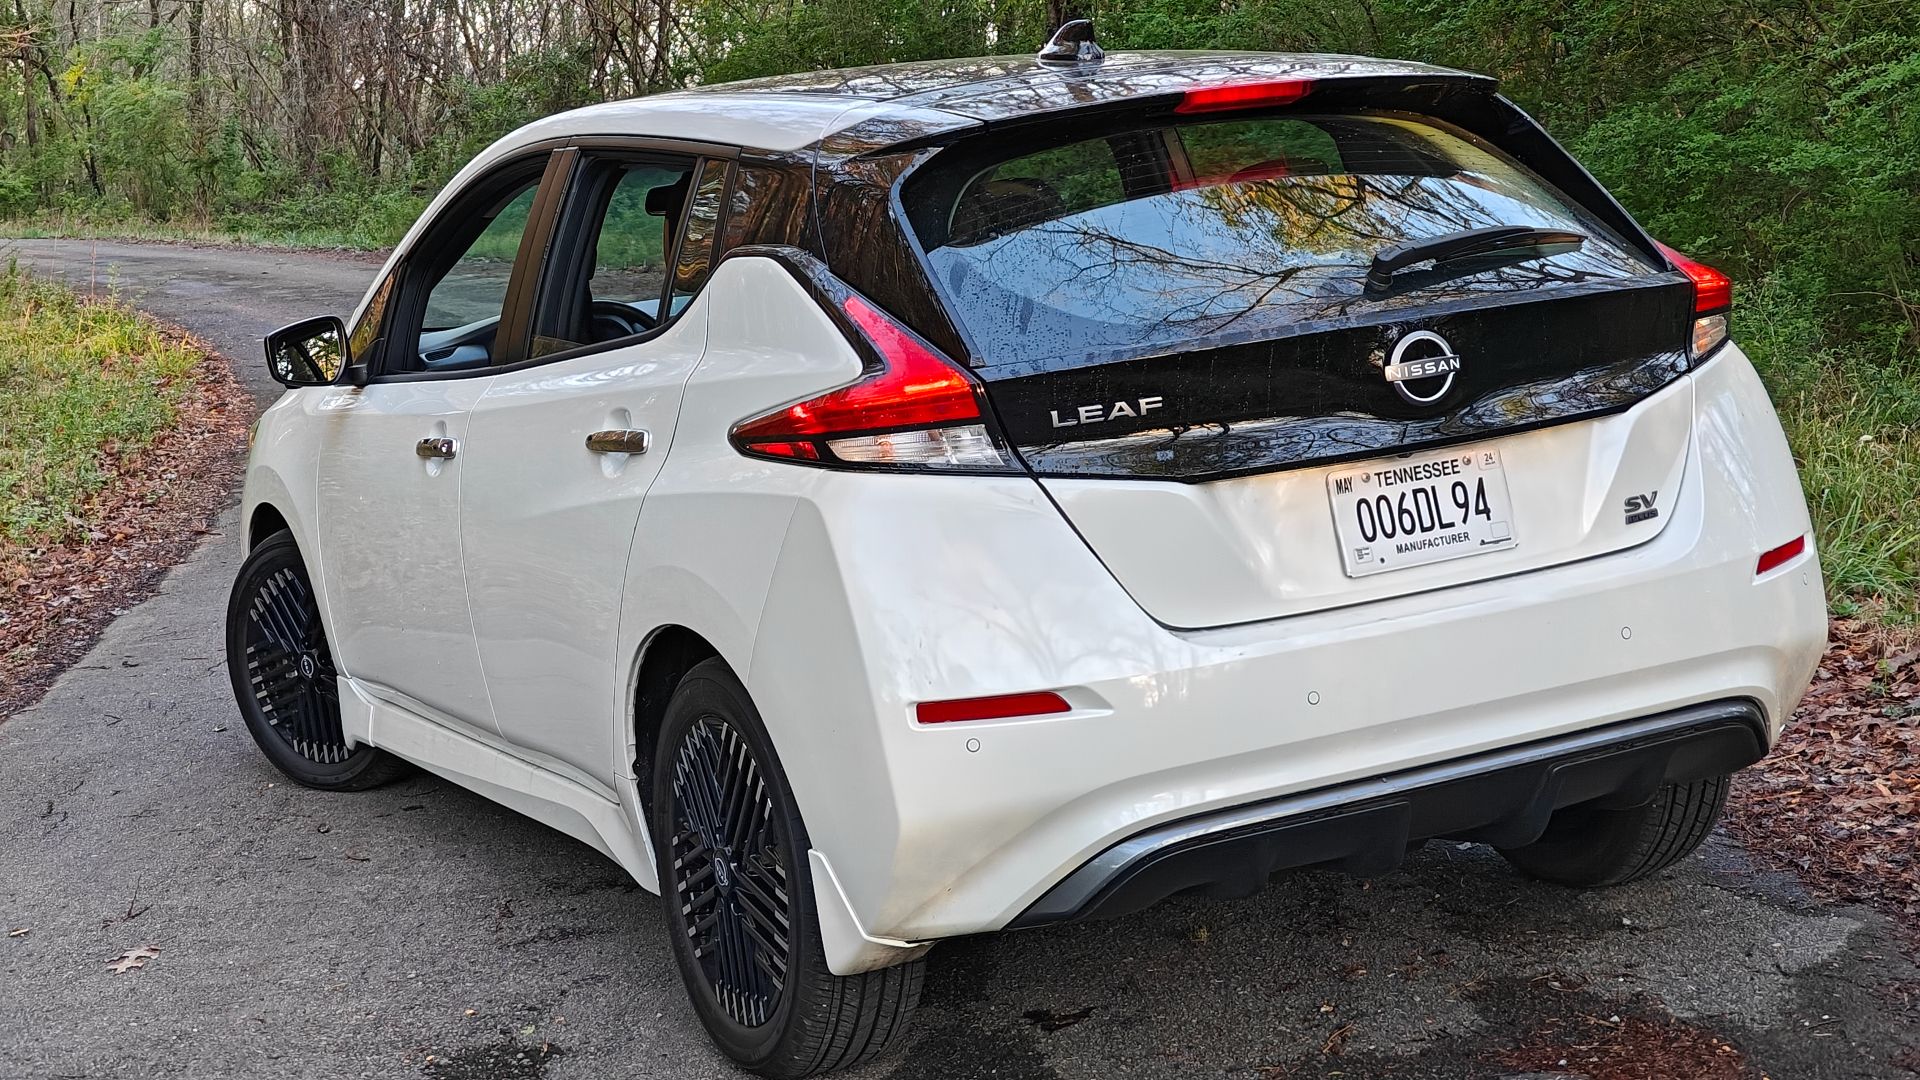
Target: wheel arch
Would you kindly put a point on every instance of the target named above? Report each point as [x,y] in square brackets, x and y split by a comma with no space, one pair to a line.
[266,520]
[666,655]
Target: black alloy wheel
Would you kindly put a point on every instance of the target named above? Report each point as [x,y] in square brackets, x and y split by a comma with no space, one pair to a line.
[283,675]
[731,882]
[738,899]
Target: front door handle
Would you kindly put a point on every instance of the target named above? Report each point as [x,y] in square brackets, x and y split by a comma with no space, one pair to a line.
[619,441]
[436,448]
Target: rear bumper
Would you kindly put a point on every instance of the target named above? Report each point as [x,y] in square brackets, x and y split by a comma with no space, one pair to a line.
[894,590]
[1502,797]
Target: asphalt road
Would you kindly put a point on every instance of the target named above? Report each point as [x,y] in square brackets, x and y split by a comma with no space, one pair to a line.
[421,931]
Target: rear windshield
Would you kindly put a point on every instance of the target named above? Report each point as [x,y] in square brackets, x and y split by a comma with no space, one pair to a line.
[1152,238]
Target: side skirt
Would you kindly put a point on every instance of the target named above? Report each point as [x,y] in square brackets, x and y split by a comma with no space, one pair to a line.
[540,794]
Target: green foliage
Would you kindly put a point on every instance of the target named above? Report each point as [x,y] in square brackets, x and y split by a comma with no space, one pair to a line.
[1852,413]
[79,383]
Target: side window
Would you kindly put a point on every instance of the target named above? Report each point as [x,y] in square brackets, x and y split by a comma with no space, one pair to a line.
[454,302]
[463,307]
[636,242]
[612,283]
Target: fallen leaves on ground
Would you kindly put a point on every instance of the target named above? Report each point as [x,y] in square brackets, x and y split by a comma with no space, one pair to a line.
[1625,1048]
[56,600]
[133,959]
[1838,799]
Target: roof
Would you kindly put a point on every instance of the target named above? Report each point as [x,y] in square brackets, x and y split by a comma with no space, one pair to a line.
[791,112]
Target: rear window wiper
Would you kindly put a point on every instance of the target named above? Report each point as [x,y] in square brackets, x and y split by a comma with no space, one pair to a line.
[1462,245]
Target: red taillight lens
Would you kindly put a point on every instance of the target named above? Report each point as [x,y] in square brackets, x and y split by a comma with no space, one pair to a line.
[1712,297]
[1045,703]
[917,409]
[1780,556]
[1712,290]
[1258,95]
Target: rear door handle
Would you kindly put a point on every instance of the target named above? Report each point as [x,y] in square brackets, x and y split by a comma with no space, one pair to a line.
[436,448]
[619,441]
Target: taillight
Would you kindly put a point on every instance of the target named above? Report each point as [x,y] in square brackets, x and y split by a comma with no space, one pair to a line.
[1712,298]
[1257,95]
[914,408]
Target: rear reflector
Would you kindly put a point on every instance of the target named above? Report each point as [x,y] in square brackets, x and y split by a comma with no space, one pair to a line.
[1258,95]
[1044,703]
[1780,556]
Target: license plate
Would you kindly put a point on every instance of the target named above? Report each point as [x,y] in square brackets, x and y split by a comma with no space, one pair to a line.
[1391,515]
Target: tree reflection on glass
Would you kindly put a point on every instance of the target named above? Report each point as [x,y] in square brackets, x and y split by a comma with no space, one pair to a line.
[308,354]
[1251,227]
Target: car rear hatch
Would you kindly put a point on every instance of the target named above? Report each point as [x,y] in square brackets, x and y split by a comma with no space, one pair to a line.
[1276,345]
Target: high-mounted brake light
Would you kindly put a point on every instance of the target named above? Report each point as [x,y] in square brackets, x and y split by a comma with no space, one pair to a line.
[1780,556]
[1712,297]
[916,410]
[1005,706]
[1257,95]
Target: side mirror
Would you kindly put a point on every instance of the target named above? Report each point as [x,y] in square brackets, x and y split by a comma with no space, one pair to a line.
[311,352]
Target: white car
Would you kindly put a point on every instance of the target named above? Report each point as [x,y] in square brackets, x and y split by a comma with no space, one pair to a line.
[883,505]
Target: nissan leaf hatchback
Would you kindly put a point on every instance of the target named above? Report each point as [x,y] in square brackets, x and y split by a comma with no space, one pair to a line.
[878,506]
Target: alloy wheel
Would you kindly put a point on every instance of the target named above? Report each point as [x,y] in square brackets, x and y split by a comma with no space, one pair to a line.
[730,872]
[289,669]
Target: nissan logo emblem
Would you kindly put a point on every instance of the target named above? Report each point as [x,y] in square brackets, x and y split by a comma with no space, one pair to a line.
[1422,357]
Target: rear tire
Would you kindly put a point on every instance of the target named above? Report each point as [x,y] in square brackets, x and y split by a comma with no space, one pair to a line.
[737,894]
[283,675]
[1591,848]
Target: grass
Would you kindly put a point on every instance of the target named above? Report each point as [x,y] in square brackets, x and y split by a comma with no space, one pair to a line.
[1853,417]
[80,383]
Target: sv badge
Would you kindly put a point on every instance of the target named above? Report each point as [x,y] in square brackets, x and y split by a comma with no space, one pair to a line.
[1641,508]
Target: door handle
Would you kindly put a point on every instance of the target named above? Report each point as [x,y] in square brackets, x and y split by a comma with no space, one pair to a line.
[619,441]
[436,448]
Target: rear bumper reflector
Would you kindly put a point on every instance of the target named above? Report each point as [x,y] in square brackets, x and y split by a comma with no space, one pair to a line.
[1780,556]
[992,708]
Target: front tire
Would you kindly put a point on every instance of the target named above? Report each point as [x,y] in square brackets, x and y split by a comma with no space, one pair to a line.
[1591,848]
[284,679]
[737,894]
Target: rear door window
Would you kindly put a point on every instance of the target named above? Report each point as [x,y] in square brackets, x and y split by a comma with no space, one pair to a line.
[1153,238]
[624,230]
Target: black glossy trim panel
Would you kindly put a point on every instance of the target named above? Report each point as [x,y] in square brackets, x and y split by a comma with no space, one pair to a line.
[511,339]
[1502,797]
[1319,395]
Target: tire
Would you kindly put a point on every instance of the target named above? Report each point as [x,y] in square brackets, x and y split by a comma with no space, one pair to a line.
[283,675]
[732,855]
[1591,848]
